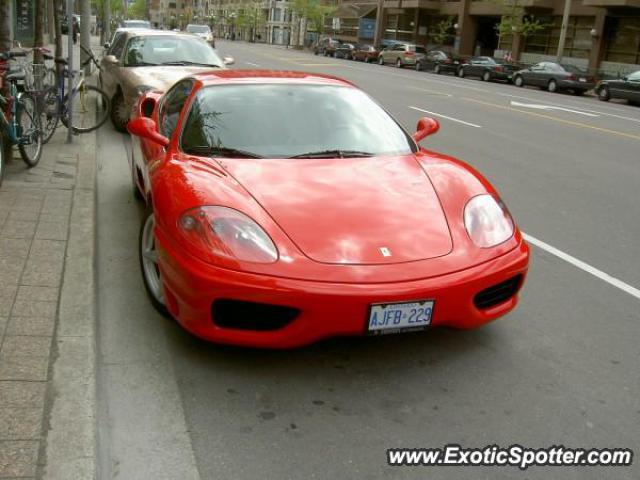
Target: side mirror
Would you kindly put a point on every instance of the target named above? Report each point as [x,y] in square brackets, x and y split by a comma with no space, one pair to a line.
[146,128]
[107,46]
[426,126]
[228,60]
[110,59]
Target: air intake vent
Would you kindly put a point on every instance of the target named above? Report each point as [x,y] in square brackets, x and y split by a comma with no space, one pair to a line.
[498,293]
[261,317]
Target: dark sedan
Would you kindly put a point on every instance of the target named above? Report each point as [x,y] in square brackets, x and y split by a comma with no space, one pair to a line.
[366,53]
[439,61]
[626,88]
[555,77]
[344,50]
[487,68]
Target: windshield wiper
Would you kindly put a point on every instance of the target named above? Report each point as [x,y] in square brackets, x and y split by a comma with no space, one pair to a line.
[334,153]
[221,152]
[186,62]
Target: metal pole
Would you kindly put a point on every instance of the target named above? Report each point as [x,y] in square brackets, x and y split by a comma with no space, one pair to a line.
[70,65]
[377,36]
[106,21]
[85,33]
[563,29]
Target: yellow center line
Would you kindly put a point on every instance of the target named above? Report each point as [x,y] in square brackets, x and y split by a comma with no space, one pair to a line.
[556,119]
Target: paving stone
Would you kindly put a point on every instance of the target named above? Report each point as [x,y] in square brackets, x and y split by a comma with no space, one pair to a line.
[3,326]
[29,326]
[19,216]
[47,275]
[7,198]
[3,216]
[18,229]
[20,423]
[27,205]
[52,230]
[18,459]
[34,309]
[14,247]
[11,269]
[25,345]
[23,368]
[51,249]
[38,294]
[22,394]
[7,296]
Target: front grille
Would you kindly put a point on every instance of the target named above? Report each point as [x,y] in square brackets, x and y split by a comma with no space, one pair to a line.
[498,293]
[241,315]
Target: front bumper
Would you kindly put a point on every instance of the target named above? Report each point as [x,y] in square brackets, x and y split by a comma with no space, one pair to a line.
[326,309]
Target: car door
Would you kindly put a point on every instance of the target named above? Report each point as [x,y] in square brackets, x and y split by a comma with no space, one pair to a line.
[633,82]
[109,69]
[475,66]
[535,76]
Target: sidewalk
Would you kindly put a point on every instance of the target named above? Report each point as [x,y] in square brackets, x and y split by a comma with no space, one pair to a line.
[47,331]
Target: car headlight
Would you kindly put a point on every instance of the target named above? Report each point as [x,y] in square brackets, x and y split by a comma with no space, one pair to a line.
[487,221]
[224,233]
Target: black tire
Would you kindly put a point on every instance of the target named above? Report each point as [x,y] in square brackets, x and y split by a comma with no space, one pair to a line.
[604,94]
[436,69]
[552,86]
[578,93]
[461,73]
[90,121]
[518,81]
[29,120]
[119,113]
[49,114]
[486,76]
[145,263]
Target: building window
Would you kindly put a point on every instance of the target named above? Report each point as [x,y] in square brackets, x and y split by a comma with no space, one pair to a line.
[623,40]
[578,42]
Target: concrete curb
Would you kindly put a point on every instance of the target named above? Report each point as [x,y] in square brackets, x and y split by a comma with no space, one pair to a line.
[70,450]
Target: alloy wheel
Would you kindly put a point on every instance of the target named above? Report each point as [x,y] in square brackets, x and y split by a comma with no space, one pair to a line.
[149,260]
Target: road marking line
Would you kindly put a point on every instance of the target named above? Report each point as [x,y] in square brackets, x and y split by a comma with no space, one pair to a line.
[448,118]
[550,107]
[318,64]
[432,92]
[556,119]
[625,287]
[252,64]
[576,106]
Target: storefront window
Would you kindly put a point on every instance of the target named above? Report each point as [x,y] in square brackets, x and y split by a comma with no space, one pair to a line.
[623,40]
[578,41]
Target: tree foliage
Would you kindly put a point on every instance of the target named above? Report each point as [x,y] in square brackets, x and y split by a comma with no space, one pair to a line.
[314,12]
[138,9]
[518,21]
[444,30]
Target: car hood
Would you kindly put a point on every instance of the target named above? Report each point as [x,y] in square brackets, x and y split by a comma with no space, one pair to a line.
[159,78]
[356,211]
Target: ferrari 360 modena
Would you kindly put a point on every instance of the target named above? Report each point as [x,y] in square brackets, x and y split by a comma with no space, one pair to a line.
[288,207]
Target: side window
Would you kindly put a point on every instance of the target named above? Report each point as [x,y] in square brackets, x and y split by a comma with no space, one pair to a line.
[118,47]
[172,106]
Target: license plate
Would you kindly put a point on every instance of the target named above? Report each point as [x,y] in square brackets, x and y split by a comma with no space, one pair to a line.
[399,317]
[582,79]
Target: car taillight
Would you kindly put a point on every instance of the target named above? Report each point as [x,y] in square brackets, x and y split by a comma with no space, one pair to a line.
[409,54]
[499,69]
[572,77]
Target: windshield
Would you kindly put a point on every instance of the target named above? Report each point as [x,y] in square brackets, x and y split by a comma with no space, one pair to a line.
[136,24]
[301,119]
[177,50]
[573,68]
[198,29]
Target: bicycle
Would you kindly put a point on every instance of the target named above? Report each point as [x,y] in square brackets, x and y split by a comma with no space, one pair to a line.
[19,116]
[38,76]
[90,104]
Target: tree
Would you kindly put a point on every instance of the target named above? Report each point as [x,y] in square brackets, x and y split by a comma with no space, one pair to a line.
[518,21]
[138,9]
[314,14]
[444,31]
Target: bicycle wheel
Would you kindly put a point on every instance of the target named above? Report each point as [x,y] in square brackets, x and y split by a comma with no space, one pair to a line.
[49,113]
[90,109]
[30,145]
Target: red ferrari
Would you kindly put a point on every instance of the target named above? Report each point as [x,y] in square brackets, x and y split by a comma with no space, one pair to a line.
[287,207]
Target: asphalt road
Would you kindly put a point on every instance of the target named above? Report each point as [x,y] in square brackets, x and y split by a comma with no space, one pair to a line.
[563,369]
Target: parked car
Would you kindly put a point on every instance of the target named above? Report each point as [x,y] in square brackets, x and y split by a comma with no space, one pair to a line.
[202,31]
[487,68]
[439,61]
[626,88]
[135,24]
[141,60]
[402,55]
[240,242]
[345,50]
[326,46]
[555,77]
[366,53]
